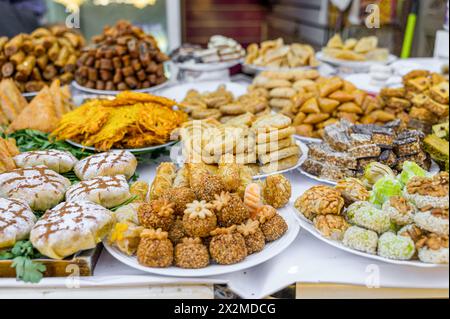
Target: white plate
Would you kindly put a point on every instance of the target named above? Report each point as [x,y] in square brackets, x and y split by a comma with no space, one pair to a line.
[107,92]
[308,139]
[208,67]
[255,69]
[302,159]
[357,65]
[178,92]
[132,150]
[309,227]
[271,251]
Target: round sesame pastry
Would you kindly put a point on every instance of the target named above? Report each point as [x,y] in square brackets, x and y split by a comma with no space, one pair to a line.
[199,220]
[208,186]
[227,246]
[253,236]
[230,209]
[155,249]
[272,224]
[277,191]
[180,197]
[190,253]
[157,214]
[177,232]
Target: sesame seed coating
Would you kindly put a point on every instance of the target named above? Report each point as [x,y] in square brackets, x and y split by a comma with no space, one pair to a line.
[274,228]
[155,253]
[228,249]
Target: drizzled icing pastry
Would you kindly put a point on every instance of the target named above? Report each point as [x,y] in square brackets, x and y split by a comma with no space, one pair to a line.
[16,221]
[107,191]
[40,187]
[58,161]
[106,164]
[71,227]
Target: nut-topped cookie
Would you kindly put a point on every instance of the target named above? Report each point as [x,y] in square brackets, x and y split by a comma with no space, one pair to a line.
[106,164]
[56,160]
[71,227]
[39,186]
[107,191]
[16,221]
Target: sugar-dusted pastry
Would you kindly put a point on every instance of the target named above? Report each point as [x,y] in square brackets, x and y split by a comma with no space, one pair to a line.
[367,215]
[230,209]
[361,239]
[352,190]
[229,172]
[253,236]
[71,227]
[396,247]
[320,200]
[157,214]
[277,191]
[39,187]
[165,175]
[253,199]
[272,224]
[155,249]
[331,226]
[16,221]
[106,164]
[107,191]
[227,246]
[180,197]
[59,161]
[191,254]
[199,220]
[126,237]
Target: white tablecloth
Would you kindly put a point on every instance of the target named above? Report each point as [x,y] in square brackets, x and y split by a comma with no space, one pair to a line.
[307,260]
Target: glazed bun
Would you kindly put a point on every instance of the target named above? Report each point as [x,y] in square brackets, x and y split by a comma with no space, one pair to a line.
[16,221]
[58,161]
[106,164]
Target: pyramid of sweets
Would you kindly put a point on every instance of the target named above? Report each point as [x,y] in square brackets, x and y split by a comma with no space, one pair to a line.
[123,58]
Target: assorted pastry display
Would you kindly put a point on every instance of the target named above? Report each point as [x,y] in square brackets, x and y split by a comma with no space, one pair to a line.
[219,49]
[424,97]
[364,49]
[200,215]
[122,58]
[278,55]
[265,145]
[223,106]
[130,120]
[42,113]
[348,148]
[402,217]
[35,60]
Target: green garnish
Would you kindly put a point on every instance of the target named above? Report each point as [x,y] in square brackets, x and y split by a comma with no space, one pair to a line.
[72,177]
[125,203]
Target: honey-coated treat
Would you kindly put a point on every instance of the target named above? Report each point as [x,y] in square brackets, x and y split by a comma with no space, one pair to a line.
[253,199]
[227,246]
[230,209]
[253,235]
[156,214]
[320,200]
[191,254]
[272,224]
[331,226]
[277,191]
[199,220]
[352,190]
[155,249]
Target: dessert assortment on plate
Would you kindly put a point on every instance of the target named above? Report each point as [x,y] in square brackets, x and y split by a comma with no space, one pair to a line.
[35,60]
[129,121]
[42,113]
[402,217]
[223,106]
[364,49]
[265,145]
[348,148]
[220,49]
[122,58]
[278,55]
[200,215]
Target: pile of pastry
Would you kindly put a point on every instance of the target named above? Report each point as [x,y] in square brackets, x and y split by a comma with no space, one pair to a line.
[348,148]
[364,49]
[35,60]
[77,217]
[266,145]
[220,49]
[424,96]
[42,113]
[223,106]
[401,217]
[276,54]
[200,215]
[123,58]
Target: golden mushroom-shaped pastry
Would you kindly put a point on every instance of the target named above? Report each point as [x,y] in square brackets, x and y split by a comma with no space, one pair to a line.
[156,214]
[272,224]
[155,249]
[227,246]
[230,209]
[199,220]
[253,235]
[191,254]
